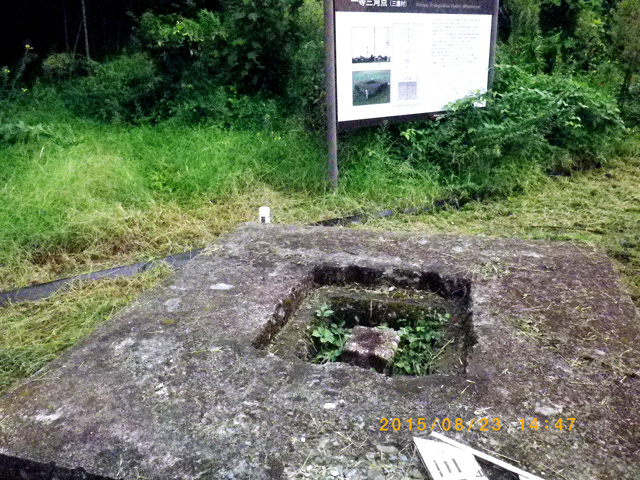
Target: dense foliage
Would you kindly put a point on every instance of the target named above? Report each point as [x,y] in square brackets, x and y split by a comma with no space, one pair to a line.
[242,64]
[256,65]
[552,121]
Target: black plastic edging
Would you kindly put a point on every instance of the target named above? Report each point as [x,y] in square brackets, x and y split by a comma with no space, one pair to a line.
[45,290]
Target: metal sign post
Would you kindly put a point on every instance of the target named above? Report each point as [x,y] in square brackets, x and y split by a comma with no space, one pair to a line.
[494,40]
[330,83]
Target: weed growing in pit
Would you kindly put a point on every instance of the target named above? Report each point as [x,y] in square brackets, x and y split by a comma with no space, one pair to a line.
[421,341]
[420,344]
[329,339]
[324,311]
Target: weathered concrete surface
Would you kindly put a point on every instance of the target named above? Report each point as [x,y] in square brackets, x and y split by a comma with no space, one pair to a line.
[173,388]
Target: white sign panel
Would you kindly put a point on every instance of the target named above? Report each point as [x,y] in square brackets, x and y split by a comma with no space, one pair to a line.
[408,63]
[446,462]
[403,58]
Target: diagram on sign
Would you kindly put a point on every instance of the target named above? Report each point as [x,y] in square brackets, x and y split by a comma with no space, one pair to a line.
[408,65]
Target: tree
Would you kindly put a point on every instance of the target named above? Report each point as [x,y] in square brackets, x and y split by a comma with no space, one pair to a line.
[86,30]
[524,41]
[626,39]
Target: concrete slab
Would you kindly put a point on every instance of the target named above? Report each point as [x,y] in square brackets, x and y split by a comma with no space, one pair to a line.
[177,385]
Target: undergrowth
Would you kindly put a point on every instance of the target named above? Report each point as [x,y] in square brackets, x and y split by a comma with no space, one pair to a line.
[421,343]
[599,207]
[76,195]
[328,337]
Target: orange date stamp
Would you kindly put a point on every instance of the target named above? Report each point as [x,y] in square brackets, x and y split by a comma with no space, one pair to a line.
[482,424]
[445,424]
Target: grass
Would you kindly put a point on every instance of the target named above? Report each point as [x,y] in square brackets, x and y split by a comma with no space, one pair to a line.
[598,207]
[76,196]
[34,333]
[82,195]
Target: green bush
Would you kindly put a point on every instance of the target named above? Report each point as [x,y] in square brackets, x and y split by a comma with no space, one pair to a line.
[234,66]
[421,342]
[260,42]
[224,107]
[124,89]
[550,121]
[212,63]
[305,90]
[631,108]
[185,49]
[65,66]
[249,45]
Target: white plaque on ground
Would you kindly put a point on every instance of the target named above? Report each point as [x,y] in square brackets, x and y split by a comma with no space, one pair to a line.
[446,462]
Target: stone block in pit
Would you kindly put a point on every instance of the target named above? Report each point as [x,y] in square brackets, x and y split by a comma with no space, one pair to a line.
[369,347]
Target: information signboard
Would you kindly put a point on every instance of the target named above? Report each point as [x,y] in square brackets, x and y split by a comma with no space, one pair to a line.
[405,59]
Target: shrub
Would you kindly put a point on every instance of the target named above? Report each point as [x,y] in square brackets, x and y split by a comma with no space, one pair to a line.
[260,42]
[65,66]
[123,89]
[248,45]
[305,90]
[211,63]
[631,108]
[224,107]
[184,47]
[551,121]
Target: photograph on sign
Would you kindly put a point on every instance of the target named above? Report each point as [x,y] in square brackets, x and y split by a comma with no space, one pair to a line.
[371,87]
[402,61]
[370,44]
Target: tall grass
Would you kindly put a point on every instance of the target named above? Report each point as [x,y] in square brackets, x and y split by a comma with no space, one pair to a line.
[83,194]
[76,194]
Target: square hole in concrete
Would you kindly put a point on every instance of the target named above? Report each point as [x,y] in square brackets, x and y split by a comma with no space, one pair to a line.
[396,323]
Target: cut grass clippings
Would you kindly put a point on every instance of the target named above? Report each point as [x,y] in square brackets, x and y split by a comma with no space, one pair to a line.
[34,333]
[598,207]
